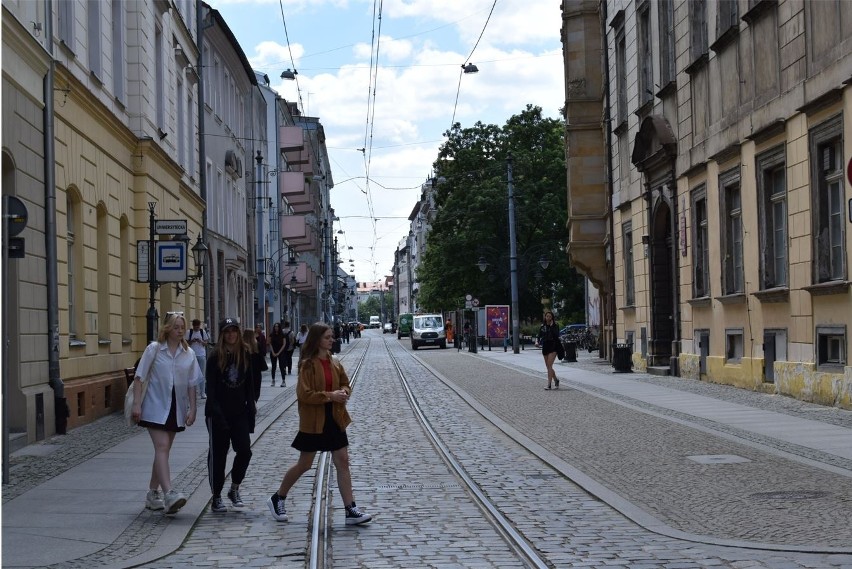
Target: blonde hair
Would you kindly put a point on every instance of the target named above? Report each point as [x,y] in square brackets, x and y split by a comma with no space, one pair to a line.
[168,325]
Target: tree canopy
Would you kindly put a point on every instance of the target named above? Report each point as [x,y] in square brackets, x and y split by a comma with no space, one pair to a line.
[472,218]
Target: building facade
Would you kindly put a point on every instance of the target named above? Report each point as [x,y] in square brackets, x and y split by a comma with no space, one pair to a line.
[728,134]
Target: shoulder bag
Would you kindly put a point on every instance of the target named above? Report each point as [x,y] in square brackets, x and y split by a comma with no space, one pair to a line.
[129,399]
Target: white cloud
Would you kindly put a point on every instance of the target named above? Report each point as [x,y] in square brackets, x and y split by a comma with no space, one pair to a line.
[270,55]
[389,50]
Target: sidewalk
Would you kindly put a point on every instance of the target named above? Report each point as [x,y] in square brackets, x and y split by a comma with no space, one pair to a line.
[99,489]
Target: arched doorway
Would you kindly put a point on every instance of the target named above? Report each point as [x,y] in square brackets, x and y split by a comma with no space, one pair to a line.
[662,286]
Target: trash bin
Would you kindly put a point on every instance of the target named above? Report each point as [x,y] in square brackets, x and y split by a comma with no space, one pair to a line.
[622,358]
[570,351]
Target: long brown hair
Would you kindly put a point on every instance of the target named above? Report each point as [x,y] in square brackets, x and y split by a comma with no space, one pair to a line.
[250,340]
[310,347]
[240,351]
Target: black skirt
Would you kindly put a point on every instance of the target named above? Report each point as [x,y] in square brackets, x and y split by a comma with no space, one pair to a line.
[171,421]
[331,438]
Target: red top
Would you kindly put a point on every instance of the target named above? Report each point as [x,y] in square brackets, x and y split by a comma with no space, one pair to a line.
[326,368]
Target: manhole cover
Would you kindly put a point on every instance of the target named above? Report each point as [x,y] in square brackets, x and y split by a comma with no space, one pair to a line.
[717,459]
[790,495]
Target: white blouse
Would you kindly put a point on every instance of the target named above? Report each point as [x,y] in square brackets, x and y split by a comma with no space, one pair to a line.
[165,372]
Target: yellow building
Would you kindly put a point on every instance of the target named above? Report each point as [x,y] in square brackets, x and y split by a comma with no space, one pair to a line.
[728,136]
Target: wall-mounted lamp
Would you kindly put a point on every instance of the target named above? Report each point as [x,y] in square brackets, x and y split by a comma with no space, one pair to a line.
[646,240]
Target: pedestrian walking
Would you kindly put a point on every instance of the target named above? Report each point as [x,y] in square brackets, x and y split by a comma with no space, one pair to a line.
[289,346]
[230,413]
[276,352]
[198,340]
[322,392]
[171,371]
[548,339]
[301,336]
[258,362]
[262,345]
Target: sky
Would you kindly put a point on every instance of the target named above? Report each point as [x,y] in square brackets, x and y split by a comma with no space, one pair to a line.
[386,76]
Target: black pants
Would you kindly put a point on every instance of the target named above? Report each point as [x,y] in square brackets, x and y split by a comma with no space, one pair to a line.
[288,361]
[220,440]
[280,359]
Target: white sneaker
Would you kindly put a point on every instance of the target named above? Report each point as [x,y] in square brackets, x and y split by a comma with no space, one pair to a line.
[174,501]
[154,500]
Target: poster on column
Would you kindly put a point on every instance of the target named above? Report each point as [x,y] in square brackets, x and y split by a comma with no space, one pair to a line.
[497,321]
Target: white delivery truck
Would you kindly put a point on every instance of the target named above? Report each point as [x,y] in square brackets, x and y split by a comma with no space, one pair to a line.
[375,322]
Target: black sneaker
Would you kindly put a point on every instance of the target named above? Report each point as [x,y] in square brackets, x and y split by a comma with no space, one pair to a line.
[277,507]
[234,497]
[354,516]
[218,506]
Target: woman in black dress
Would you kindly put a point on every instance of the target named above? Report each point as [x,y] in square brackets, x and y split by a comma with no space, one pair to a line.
[322,392]
[548,339]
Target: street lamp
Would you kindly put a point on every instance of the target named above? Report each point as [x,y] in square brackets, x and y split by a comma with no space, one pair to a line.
[199,257]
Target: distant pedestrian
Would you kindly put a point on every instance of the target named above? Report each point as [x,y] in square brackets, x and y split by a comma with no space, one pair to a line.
[276,352]
[198,340]
[262,346]
[548,339]
[230,413]
[258,362]
[301,336]
[172,373]
[289,347]
[322,392]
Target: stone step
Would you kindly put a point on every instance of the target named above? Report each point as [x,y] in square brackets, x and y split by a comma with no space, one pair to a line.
[659,370]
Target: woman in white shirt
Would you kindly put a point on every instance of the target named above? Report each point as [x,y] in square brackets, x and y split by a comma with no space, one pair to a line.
[171,369]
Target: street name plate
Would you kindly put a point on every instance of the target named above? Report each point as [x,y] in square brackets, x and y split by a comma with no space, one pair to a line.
[170,227]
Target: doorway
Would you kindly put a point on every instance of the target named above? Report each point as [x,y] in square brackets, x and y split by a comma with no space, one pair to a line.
[662,287]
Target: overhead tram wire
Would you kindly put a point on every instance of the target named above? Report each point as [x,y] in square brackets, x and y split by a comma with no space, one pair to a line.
[375,43]
[458,89]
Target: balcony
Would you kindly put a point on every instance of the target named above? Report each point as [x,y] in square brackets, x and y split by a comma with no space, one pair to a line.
[291,138]
[293,187]
[301,159]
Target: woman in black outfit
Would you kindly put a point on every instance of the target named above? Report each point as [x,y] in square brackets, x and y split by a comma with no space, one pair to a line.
[548,339]
[276,352]
[258,362]
[230,412]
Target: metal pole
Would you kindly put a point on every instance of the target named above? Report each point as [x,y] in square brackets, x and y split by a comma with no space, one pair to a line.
[260,292]
[513,261]
[206,279]
[152,317]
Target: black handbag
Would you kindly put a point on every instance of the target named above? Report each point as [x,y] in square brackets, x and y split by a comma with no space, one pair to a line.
[560,350]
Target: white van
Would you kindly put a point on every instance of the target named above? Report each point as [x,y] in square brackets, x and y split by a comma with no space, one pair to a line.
[428,330]
[375,322]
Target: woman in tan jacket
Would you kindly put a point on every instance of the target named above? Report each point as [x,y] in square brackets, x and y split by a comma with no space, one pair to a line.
[322,392]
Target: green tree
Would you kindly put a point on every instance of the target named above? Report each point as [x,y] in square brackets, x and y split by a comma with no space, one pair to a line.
[472,218]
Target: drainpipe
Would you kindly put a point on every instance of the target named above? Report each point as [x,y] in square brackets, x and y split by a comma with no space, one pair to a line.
[206,279]
[50,226]
[607,126]
[674,362]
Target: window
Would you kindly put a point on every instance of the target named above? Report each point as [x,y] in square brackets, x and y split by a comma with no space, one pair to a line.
[181,127]
[118,58]
[103,262]
[667,49]
[827,201]
[831,347]
[701,250]
[190,110]
[645,55]
[734,345]
[74,234]
[216,88]
[698,29]
[124,283]
[621,75]
[94,37]
[66,23]
[629,286]
[726,17]
[772,211]
[159,79]
[733,271]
